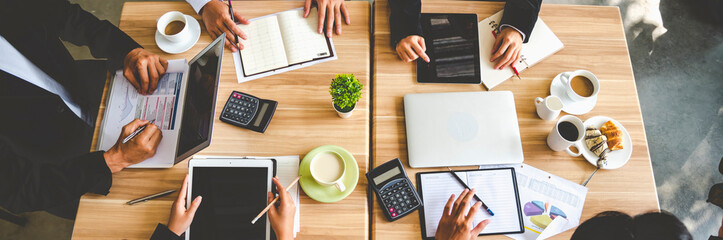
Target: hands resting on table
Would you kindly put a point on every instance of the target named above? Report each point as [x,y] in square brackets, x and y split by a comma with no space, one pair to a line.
[217,19]
[457,222]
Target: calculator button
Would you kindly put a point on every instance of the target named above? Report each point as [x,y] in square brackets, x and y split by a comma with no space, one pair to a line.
[392,209]
[394,214]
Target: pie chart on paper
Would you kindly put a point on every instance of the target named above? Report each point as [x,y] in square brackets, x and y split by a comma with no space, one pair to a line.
[541,213]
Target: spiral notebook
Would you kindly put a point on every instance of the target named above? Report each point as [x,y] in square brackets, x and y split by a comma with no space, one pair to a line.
[496,187]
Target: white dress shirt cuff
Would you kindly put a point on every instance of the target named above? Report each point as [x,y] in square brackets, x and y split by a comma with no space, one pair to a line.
[513,27]
[197,4]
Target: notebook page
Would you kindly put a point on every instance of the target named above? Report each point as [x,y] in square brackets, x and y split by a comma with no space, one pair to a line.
[301,40]
[497,190]
[264,49]
[437,187]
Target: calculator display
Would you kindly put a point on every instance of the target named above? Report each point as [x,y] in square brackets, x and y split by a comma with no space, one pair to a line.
[387,175]
[261,114]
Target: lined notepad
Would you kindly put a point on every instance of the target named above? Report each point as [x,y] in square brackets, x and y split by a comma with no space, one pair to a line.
[496,187]
[280,40]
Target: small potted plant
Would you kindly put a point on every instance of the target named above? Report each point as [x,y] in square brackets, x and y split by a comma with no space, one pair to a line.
[345,91]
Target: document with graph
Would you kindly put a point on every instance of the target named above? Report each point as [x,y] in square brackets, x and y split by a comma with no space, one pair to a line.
[496,187]
[279,43]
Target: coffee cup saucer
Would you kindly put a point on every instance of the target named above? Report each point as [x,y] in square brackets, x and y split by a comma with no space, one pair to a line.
[328,194]
[615,159]
[178,47]
[568,105]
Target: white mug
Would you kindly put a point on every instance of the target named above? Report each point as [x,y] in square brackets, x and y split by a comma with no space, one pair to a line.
[169,17]
[549,107]
[558,143]
[565,78]
[318,171]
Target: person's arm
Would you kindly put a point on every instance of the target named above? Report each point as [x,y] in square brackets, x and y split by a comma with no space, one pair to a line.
[281,216]
[180,218]
[26,185]
[163,233]
[404,19]
[521,15]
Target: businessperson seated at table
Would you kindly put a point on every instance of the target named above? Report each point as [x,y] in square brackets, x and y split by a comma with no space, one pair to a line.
[281,215]
[217,19]
[49,104]
[516,26]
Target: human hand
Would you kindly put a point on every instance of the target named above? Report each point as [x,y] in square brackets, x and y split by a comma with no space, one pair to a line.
[281,214]
[454,224]
[507,47]
[140,148]
[181,217]
[218,21]
[412,47]
[143,69]
[330,11]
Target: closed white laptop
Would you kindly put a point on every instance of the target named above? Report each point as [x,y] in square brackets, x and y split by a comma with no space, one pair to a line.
[462,129]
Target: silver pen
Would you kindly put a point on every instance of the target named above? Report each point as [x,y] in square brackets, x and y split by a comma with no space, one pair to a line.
[149,197]
[137,131]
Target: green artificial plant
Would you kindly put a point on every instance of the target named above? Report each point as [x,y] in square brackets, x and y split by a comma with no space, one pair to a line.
[345,91]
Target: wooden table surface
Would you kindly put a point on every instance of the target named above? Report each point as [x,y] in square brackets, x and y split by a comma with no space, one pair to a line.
[303,120]
[594,40]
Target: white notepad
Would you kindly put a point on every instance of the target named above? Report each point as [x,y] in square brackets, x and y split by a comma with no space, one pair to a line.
[496,187]
[281,42]
[542,44]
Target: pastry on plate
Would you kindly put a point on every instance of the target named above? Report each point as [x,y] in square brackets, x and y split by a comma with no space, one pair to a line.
[595,140]
[614,135]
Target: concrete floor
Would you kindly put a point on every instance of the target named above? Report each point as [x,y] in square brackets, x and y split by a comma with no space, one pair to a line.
[677,56]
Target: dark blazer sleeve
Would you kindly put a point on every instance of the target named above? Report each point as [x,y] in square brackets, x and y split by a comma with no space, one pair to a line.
[27,185]
[80,27]
[522,14]
[163,233]
[404,19]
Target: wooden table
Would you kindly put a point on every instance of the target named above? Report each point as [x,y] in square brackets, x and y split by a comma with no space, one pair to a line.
[594,40]
[304,120]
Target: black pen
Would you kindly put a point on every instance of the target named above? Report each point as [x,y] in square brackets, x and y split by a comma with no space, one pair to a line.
[149,197]
[230,11]
[137,131]
[467,187]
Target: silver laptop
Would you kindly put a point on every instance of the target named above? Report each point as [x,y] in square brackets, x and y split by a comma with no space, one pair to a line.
[462,129]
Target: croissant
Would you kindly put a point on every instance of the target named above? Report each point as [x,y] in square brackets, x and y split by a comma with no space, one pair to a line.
[596,142]
[614,135]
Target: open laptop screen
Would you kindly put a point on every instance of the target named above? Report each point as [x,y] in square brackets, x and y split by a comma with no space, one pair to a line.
[200,100]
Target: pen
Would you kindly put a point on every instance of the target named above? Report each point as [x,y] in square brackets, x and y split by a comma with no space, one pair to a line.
[274,201]
[230,11]
[149,197]
[514,69]
[467,187]
[137,131]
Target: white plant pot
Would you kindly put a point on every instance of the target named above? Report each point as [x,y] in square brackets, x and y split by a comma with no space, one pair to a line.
[343,114]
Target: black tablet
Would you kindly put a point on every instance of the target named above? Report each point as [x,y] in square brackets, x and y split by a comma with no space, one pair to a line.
[452,42]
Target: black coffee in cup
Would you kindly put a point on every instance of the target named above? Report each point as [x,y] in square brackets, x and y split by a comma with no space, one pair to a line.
[568,131]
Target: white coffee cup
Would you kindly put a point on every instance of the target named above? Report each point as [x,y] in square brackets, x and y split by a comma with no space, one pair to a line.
[549,107]
[169,17]
[567,76]
[328,169]
[557,142]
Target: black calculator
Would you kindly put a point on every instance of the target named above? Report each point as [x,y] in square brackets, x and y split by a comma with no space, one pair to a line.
[394,191]
[246,111]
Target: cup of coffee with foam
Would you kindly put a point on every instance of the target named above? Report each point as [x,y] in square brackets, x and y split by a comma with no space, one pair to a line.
[172,26]
[580,85]
[567,131]
[328,169]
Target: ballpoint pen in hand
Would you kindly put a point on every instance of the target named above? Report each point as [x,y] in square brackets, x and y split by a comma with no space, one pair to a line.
[230,12]
[475,196]
[137,131]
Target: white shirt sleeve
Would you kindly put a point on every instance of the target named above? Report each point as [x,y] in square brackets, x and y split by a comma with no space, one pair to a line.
[501,26]
[197,4]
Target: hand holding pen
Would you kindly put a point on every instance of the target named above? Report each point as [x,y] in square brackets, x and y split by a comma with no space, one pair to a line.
[136,149]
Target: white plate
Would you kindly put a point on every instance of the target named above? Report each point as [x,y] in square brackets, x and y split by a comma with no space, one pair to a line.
[179,47]
[617,158]
[568,105]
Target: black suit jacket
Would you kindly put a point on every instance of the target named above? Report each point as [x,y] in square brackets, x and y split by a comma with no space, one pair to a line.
[405,14]
[44,159]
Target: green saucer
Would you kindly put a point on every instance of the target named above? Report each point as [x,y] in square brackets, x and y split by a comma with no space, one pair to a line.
[328,194]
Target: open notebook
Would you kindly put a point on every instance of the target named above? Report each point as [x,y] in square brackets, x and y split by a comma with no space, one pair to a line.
[541,45]
[281,42]
[496,187]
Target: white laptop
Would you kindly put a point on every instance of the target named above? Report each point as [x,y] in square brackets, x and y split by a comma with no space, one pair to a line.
[462,129]
[182,106]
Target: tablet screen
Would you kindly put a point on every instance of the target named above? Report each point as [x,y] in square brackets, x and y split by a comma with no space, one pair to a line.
[452,43]
[232,197]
